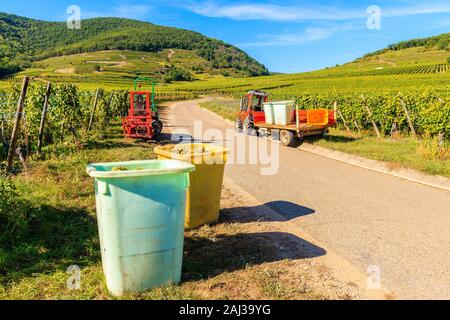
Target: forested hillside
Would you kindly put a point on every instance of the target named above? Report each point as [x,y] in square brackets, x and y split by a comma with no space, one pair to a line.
[440,42]
[24,40]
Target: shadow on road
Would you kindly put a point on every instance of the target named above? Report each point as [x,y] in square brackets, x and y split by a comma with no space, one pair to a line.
[286,211]
[167,138]
[289,210]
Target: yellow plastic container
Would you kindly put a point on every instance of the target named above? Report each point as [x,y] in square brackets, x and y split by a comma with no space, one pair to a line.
[203,200]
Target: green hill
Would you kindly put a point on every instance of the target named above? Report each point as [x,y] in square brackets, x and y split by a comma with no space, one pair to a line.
[440,42]
[414,60]
[118,68]
[417,56]
[24,41]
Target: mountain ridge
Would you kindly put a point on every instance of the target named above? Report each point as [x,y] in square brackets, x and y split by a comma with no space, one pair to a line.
[441,42]
[25,40]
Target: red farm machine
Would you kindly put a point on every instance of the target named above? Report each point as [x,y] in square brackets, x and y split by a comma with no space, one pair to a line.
[297,123]
[251,111]
[142,121]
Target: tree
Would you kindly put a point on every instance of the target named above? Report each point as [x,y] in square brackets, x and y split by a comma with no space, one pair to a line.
[443,43]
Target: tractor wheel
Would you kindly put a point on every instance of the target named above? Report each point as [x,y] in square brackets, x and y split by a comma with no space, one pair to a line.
[238,125]
[288,138]
[157,127]
[249,128]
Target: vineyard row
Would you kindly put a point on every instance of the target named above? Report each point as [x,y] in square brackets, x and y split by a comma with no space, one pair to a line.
[429,109]
[69,112]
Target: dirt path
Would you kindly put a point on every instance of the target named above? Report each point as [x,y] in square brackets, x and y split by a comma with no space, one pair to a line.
[374,221]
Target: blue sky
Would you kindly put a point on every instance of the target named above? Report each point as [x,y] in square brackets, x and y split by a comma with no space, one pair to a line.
[287,36]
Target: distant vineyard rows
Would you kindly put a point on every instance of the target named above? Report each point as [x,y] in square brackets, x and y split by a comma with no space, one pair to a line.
[11,79]
[274,82]
[423,69]
[420,69]
[70,107]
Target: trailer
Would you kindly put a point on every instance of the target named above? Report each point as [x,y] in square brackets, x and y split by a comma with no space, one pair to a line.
[290,135]
[252,120]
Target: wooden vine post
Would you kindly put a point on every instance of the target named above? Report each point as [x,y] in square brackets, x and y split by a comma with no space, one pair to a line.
[2,130]
[16,128]
[441,140]
[410,123]
[394,130]
[338,112]
[44,115]
[375,127]
[357,126]
[441,135]
[109,106]
[335,109]
[91,120]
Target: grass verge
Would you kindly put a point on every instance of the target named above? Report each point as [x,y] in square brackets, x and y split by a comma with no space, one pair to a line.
[401,152]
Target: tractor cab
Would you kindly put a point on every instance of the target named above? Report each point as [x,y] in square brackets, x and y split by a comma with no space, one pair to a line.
[254,100]
[142,121]
[139,104]
[251,110]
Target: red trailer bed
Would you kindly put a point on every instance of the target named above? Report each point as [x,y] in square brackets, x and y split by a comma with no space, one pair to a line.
[292,134]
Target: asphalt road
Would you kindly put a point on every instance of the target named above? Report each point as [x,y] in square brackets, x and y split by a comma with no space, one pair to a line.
[368,218]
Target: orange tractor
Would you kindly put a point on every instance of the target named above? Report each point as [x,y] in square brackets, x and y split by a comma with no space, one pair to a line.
[251,111]
[299,123]
[142,121]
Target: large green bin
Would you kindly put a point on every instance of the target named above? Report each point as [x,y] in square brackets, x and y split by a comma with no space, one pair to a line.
[141,209]
[269,113]
[283,112]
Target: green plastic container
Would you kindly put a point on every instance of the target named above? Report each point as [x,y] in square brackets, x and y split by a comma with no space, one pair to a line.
[268,112]
[141,209]
[283,112]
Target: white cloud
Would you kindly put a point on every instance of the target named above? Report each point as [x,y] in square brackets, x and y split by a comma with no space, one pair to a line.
[122,11]
[311,34]
[428,8]
[270,12]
